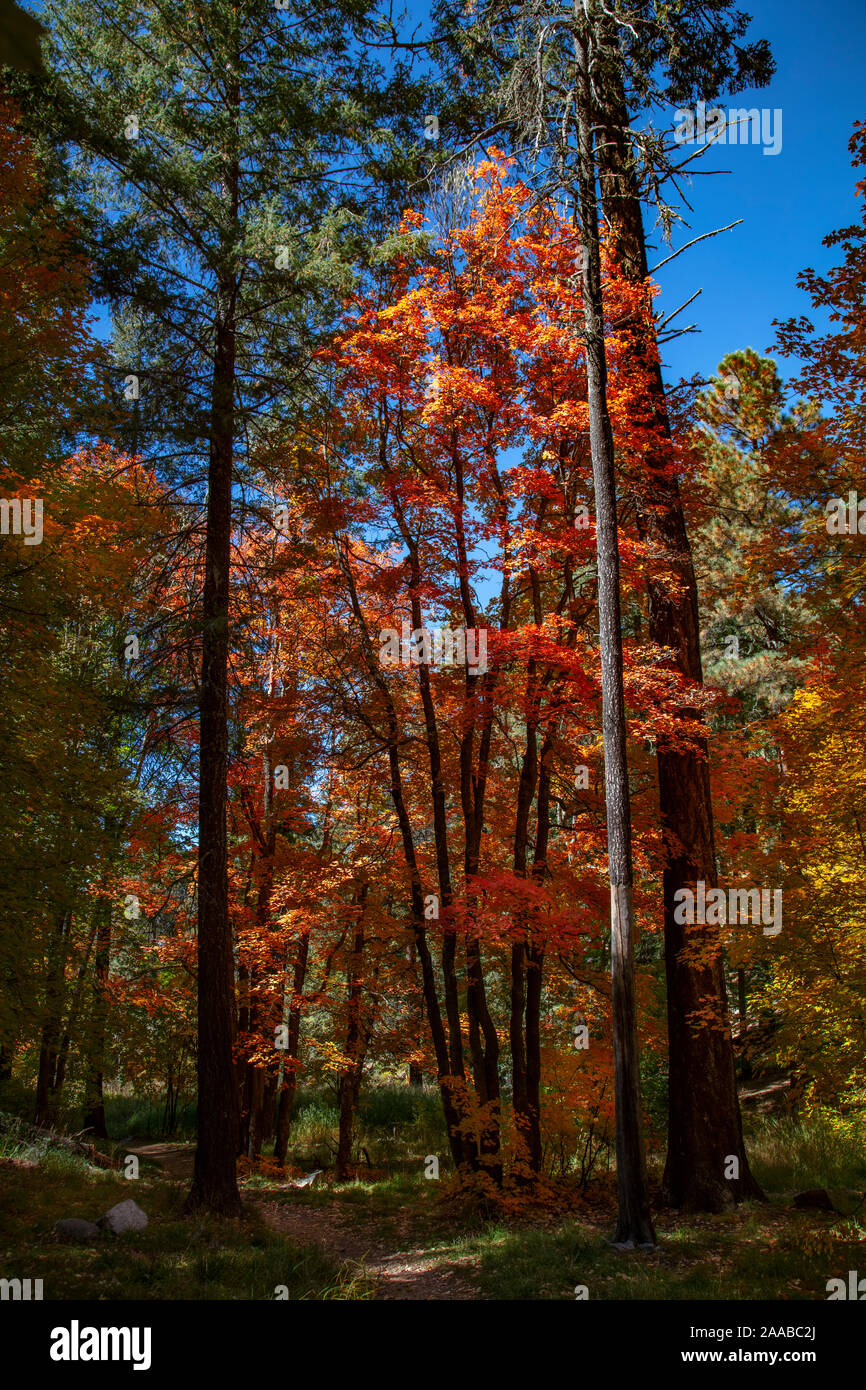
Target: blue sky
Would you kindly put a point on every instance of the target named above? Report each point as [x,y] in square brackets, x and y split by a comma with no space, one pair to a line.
[789,201]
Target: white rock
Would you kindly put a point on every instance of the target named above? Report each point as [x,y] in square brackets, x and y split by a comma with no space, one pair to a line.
[125,1216]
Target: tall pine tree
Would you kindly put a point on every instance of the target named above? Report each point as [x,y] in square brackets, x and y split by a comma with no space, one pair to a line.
[222,161]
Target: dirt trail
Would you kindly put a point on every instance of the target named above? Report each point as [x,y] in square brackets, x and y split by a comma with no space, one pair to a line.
[405,1273]
[176,1159]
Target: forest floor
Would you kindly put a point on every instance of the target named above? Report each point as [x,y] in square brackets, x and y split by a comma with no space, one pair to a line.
[390,1235]
[400,1241]
[404,1273]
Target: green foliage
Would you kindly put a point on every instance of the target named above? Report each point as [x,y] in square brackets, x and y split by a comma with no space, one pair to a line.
[396,1125]
[795,1154]
[143,1118]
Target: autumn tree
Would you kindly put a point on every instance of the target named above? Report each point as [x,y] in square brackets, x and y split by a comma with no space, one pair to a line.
[441,370]
[224,155]
[73,577]
[647,59]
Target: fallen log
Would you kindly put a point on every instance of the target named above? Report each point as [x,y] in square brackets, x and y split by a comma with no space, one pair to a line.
[71,1143]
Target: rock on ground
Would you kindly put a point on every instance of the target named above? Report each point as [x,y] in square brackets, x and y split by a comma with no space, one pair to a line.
[71,1228]
[125,1216]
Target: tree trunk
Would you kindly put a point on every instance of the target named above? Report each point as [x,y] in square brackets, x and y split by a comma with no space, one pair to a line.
[94,1101]
[526,1141]
[261,1018]
[46,1096]
[290,1073]
[214,1185]
[634,1226]
[350,1081]
[75,1006]
[705,1127]
[449,1060]
[535,967]
[268,1109]
[483,1036]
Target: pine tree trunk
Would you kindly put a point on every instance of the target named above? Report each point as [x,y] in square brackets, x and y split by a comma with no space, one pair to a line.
[634,1226]
[705,1126]
[214,1185]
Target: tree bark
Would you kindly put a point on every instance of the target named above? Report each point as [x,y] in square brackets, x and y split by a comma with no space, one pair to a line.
[634,1225]
[46,1096]
[75,1007]
[290,1072]
[94,1100]
[705,1126]
[526,1125]
[535,966]
[258,1078]
[355,1049]
[214,1185]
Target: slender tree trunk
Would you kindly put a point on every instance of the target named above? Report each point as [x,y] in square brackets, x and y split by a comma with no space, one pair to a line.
[94,1100]
[75,1008]
[350,1080]
[262,1083]
[705,1127]
[519,950]
[535,966]
[269,1108]
[242,1068]
[634,1226]
[214,1185]
[483,1036]
[290,1071]
[260,1017]
[52,1022]
[416,1074]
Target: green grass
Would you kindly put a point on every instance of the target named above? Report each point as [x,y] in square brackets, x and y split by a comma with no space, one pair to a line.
[395,1128]
[766,1251]
[792,1155]
[756,1252]
[141,1116]
[176,1257]
[126,1115]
